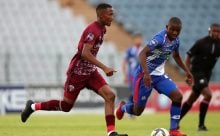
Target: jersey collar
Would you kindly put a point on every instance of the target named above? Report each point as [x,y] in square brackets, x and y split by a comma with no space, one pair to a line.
[101,26]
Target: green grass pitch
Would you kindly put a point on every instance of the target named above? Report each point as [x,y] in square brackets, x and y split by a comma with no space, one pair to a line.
[94,125]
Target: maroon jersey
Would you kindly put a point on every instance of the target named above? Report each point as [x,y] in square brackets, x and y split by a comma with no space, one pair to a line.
[93,35]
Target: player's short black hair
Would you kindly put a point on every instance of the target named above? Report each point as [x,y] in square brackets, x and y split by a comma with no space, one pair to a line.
[214,25]
[175,20]
[102,6]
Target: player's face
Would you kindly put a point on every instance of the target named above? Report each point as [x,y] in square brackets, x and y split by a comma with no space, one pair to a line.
[173,30]
[107,16]
[215,32]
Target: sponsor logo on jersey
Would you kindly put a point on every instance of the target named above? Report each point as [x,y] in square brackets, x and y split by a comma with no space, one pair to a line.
[71,88]
[202,81]
[154,42]
[143,98]
[90,37]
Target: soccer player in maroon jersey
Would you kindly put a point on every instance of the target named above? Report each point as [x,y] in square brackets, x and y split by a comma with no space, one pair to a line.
[83,73]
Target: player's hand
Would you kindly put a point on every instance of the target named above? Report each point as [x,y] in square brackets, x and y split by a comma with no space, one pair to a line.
[147,80]
[189,79]
[109,71]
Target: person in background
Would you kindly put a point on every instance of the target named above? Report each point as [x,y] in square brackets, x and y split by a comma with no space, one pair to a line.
[201,59]
[131,61]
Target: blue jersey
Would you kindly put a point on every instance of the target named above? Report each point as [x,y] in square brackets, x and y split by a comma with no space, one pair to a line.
[161,48]
[131,56]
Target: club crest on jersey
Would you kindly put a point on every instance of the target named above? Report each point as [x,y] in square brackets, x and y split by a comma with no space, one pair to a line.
[71,88]
[154,42]
[90,37]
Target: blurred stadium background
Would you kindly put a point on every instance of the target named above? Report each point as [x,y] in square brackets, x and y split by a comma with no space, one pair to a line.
[39,37]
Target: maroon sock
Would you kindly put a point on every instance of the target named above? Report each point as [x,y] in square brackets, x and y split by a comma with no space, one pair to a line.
[54,105]
[110,123]
[50,105]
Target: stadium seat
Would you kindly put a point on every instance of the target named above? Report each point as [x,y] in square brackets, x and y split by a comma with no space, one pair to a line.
[149,17]
[41,39]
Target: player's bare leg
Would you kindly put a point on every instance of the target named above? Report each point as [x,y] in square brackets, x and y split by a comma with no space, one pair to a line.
[109,98]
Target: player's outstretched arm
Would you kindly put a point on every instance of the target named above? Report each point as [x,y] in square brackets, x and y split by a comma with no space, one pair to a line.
[87,55]
[178,59]
[187,61]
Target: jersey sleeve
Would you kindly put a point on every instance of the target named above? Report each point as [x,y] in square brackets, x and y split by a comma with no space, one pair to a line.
[127,54]
[193,50]
[155,42]
[90,36]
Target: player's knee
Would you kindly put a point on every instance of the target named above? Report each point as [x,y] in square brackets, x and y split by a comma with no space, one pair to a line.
[66,107]
[208,97]
[110,97]
[177,98]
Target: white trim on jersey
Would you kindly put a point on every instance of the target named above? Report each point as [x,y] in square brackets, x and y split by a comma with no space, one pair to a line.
[159,70]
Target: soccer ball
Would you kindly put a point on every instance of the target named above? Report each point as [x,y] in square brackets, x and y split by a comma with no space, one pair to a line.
[160,132]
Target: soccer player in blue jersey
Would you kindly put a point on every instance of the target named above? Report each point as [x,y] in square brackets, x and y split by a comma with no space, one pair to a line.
[131,62]
[150,74]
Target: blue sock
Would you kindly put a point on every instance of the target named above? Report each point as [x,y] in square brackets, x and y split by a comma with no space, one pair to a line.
[175,115]
[128,108]
[130,99]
